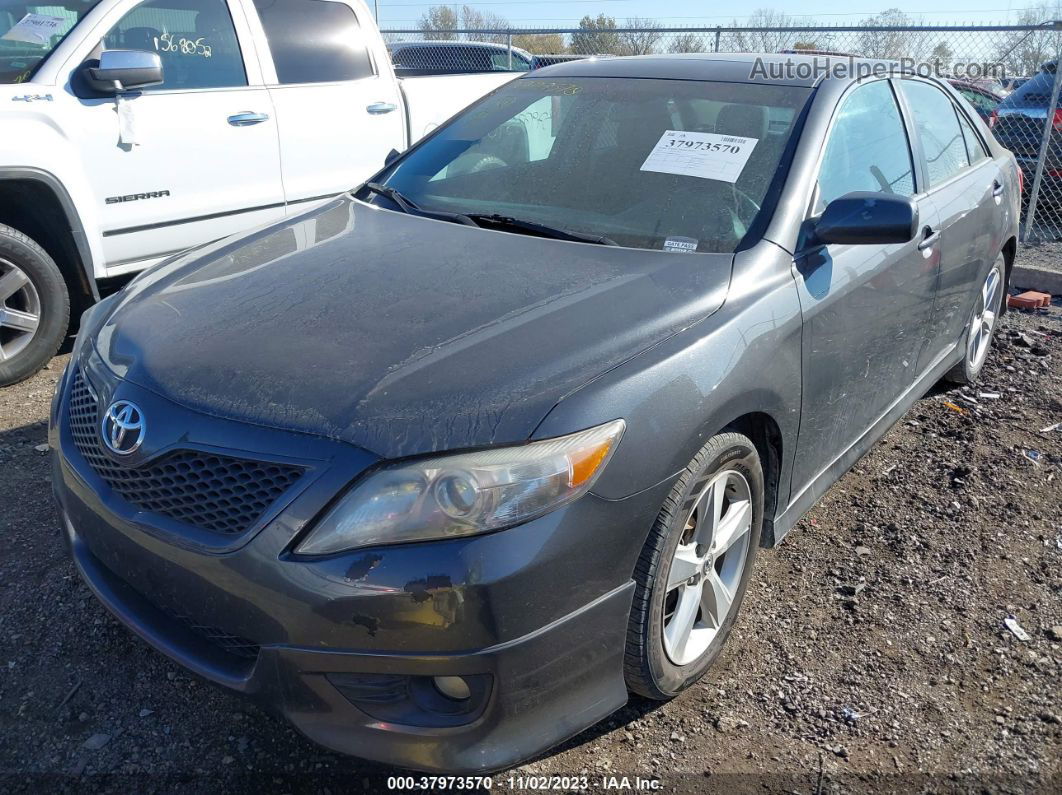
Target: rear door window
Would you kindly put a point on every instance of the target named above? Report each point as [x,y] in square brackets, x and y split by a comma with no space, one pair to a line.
[975,148]
[938,128]
[314,41]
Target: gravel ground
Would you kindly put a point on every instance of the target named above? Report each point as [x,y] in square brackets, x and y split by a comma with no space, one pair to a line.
[872,652]
[1045,256]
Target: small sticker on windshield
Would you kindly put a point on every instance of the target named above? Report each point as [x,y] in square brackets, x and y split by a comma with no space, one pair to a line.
[35,29]
[697,154]
[681,245]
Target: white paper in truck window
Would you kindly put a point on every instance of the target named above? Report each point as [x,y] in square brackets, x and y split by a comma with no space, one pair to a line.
[697,154]
[35,29]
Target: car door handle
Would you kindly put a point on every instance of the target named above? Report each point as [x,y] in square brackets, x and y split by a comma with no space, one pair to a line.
[377,108]
[247,118]
[997,188]
[929,237]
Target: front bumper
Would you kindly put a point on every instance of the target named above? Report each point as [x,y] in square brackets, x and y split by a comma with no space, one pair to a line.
[538,611]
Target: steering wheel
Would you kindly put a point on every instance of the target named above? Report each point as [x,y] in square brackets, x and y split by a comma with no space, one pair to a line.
[475,163]
[748,201]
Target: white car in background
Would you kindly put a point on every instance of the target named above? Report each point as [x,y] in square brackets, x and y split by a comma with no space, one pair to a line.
[135,129]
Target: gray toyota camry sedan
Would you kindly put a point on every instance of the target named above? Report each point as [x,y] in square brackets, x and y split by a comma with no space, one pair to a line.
[446,468]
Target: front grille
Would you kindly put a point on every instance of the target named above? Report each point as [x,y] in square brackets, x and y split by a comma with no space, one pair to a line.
[214,492]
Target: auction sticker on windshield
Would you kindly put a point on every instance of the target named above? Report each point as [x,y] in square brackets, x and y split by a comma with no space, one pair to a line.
[35,29]
[697,154]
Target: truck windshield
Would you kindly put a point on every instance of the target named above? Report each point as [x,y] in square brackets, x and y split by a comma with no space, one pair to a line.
[30,31]
[675,165]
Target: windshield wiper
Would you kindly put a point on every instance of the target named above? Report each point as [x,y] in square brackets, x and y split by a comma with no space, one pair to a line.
[508,222]
[408,206]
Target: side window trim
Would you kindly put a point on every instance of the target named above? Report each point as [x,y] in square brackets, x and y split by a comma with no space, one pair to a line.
[965,123]
[369,49]
[252,43]
[914,140]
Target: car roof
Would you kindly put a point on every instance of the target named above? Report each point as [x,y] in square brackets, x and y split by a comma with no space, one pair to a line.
[971,86]
[728,67]
[489,45]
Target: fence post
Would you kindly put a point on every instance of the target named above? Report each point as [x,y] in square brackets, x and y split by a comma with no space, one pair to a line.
[718,33]
[509,43]
[1045,145]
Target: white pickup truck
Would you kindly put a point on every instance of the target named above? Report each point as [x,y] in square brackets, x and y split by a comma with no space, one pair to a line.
[134,129]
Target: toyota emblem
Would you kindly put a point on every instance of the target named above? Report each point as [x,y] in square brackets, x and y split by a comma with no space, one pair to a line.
[123,427]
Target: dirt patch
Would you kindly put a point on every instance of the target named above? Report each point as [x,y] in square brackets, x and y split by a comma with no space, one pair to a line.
[872,652]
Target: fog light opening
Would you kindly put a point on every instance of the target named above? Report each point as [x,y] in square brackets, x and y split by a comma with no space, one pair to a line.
[453,687]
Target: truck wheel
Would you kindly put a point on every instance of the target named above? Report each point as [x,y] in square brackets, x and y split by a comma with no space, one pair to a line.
[693,570]
[34,307]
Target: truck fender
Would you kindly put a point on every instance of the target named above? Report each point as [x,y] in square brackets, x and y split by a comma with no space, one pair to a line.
[84,268]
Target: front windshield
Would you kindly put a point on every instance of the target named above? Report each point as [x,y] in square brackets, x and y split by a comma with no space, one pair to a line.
[675,165]
[30,31]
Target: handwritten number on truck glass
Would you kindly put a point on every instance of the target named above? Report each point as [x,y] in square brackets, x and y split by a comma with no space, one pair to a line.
[168,43]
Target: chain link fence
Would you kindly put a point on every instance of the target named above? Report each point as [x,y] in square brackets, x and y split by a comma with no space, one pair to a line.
[1007,72]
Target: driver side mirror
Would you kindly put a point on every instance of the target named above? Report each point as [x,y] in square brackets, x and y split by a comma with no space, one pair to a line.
[124,70]
[867,217]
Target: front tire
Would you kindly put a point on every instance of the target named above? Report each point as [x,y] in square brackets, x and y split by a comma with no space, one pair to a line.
[34,307]
[694,569]
[977,337]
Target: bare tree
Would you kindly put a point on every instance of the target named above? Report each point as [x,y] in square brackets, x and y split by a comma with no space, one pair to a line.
[643,41]
[472,19]
[1022,52]
[880,42]
[943,57]
[767,37]
[687,42]
[439,23]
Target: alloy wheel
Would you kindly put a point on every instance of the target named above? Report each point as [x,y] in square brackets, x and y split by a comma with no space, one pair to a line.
[984,320]
[20,310]
[706,569]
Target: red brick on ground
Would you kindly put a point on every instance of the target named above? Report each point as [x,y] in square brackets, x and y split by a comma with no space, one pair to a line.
[1030,299]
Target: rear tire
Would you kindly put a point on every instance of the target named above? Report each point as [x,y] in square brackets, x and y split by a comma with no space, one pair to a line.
[34,307]
[694,568]
[977,336]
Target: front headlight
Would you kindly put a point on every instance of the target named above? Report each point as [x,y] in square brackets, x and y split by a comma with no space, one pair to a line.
[465,494]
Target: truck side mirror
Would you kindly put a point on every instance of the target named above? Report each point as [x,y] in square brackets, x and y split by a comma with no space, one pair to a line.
[124,70]
[392,156]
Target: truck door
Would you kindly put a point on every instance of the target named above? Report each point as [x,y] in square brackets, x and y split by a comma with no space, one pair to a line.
[339,110]
[193,159]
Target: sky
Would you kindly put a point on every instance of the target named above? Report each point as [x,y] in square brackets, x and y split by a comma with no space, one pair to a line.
[683,13]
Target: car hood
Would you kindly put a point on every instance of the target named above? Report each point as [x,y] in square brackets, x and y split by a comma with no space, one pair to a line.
[399,334]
